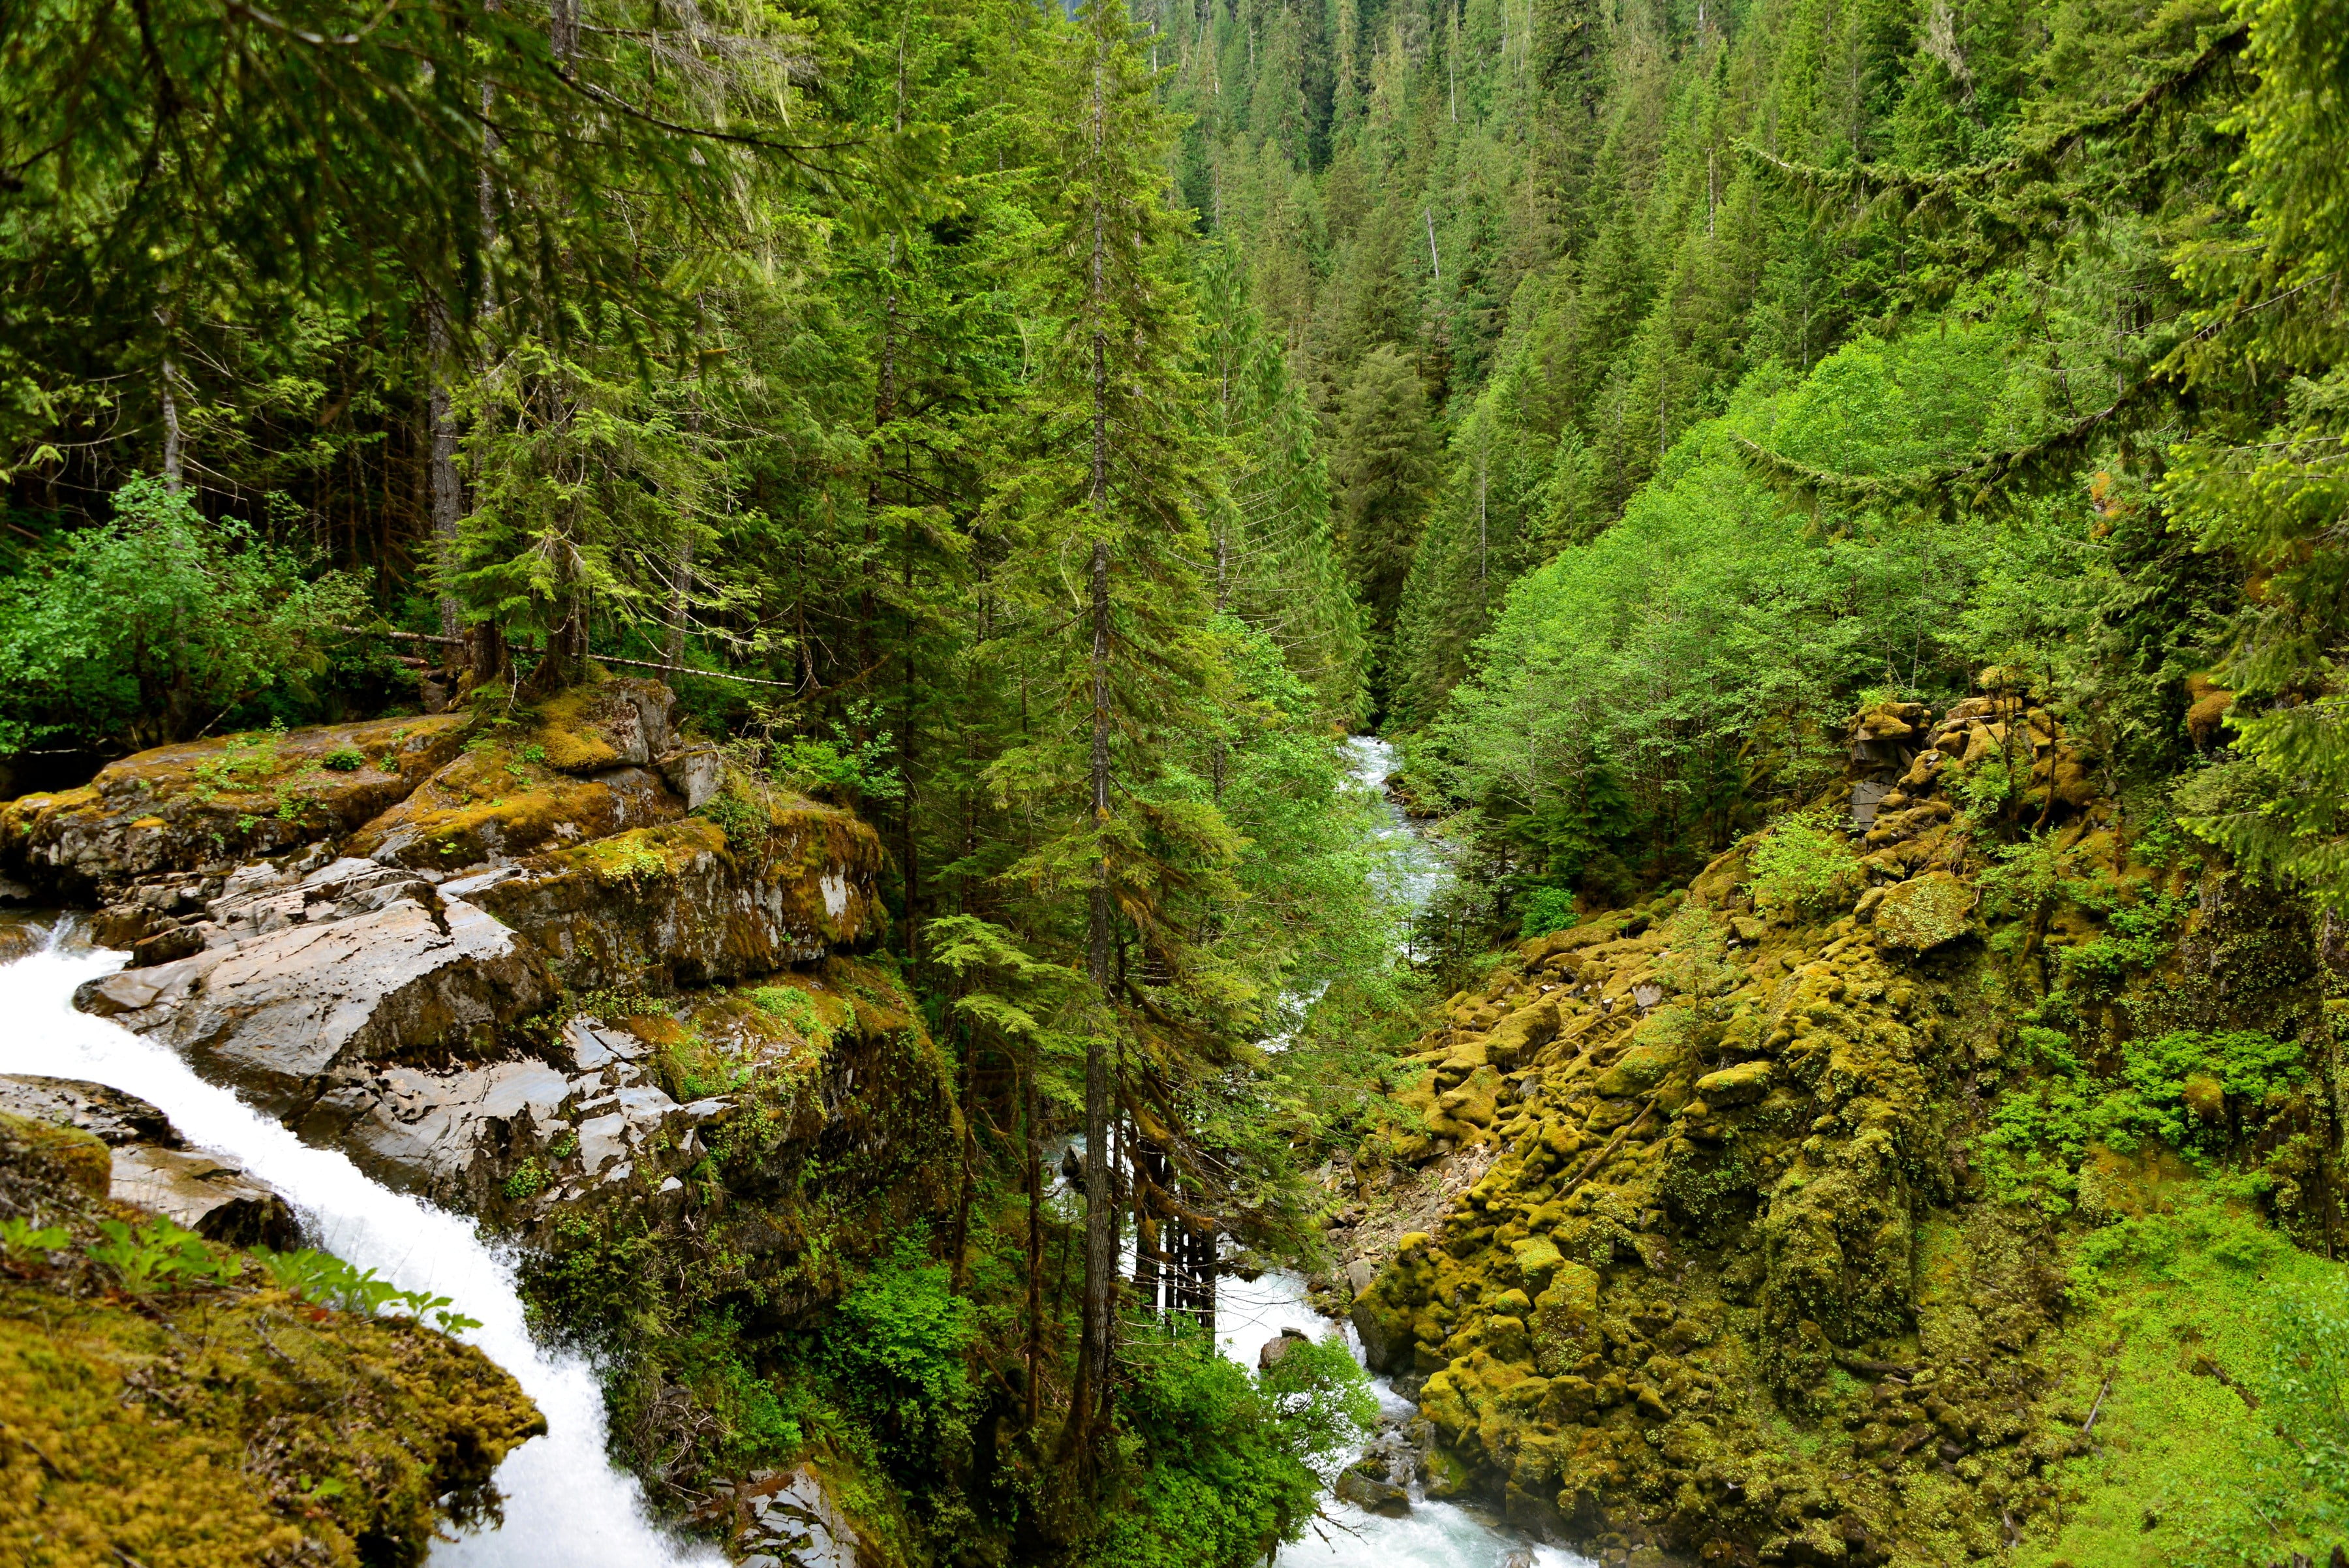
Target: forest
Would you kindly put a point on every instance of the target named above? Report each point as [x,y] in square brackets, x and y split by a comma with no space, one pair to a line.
[1046,434]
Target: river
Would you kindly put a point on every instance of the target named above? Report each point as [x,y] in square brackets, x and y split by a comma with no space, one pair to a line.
[1249,1311]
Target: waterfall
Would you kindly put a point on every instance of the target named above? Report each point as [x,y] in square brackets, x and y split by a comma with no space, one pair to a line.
[566,1506]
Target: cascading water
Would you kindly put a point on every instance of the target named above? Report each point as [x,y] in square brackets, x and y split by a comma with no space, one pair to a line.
[566,1506]
[1249,1311]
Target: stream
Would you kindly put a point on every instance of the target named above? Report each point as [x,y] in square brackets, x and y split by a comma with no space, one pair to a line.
[1249,1311]
[565,1505]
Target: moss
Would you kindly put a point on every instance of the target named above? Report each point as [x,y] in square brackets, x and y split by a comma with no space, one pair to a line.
[50,1160]
[239,1429]
[1925,911]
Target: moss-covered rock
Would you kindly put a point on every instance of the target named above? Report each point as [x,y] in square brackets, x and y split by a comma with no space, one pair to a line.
[216,802]
[1924,911]
[224,1425]
[692,903]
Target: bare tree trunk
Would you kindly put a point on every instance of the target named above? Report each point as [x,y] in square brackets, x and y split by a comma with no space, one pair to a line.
[172,466]
[173,460]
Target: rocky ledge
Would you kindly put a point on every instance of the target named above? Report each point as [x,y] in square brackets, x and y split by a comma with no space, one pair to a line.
[560,968]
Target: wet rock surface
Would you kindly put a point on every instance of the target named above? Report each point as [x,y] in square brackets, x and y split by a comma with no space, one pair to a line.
[152,1166]
[784,1519]
[304,978]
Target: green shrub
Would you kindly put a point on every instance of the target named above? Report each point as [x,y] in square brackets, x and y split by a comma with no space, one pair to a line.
[1230,1465]
[896,1344]
[527,1181]
[1801,864]
[2305,1389]
[158,623]
[19,1240]
[1548,909]
[344,760]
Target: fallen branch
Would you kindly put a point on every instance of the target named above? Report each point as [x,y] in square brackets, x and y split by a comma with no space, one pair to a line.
[596,658]
[2097,1408]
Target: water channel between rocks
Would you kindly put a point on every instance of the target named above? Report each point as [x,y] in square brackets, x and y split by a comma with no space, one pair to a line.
[1435,1535]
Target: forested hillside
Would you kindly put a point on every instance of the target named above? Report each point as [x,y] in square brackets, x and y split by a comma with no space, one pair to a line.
[1042,435]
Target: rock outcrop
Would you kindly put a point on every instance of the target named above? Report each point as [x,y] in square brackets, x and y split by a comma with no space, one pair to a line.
[1689,1177]
[308,980]
[197,809]
[150,1166]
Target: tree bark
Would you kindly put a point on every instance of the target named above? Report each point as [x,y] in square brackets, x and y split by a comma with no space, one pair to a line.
[1100,1238]
[447,498]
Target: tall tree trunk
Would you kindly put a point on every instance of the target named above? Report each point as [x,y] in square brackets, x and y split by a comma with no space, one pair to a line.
[448,499]
[1031,1116]
[1101,1237]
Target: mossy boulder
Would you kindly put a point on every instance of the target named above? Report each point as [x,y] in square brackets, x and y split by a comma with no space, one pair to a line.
[686,904]
[611,723]
[1737,1085]
[1516,1038]
[1641,1068]
[214,801]
[1924,911]
[238,1428]
[503,800]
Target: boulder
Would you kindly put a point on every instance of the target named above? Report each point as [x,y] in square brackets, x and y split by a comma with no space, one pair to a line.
[697,774]
[150,1166]
[1271,1353]
[1738,1086]
[616,721]
[1924,911]
[683,905]
[20,935]
[1514,1039]
[280,1010]
[179,808]
[503,802]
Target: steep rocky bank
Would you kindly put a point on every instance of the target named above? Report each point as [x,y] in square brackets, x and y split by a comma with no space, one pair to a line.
[170,1403]
[1879,1196]
[561,969]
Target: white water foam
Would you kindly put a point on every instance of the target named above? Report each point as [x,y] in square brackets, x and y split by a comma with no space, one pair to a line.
[1435,1535]
[566,1505]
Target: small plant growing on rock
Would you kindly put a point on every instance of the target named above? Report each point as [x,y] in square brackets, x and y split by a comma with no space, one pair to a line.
[527,1180]
[20,1241]
[324,1280]
[790,1005]
[156,1256]
[344,760]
